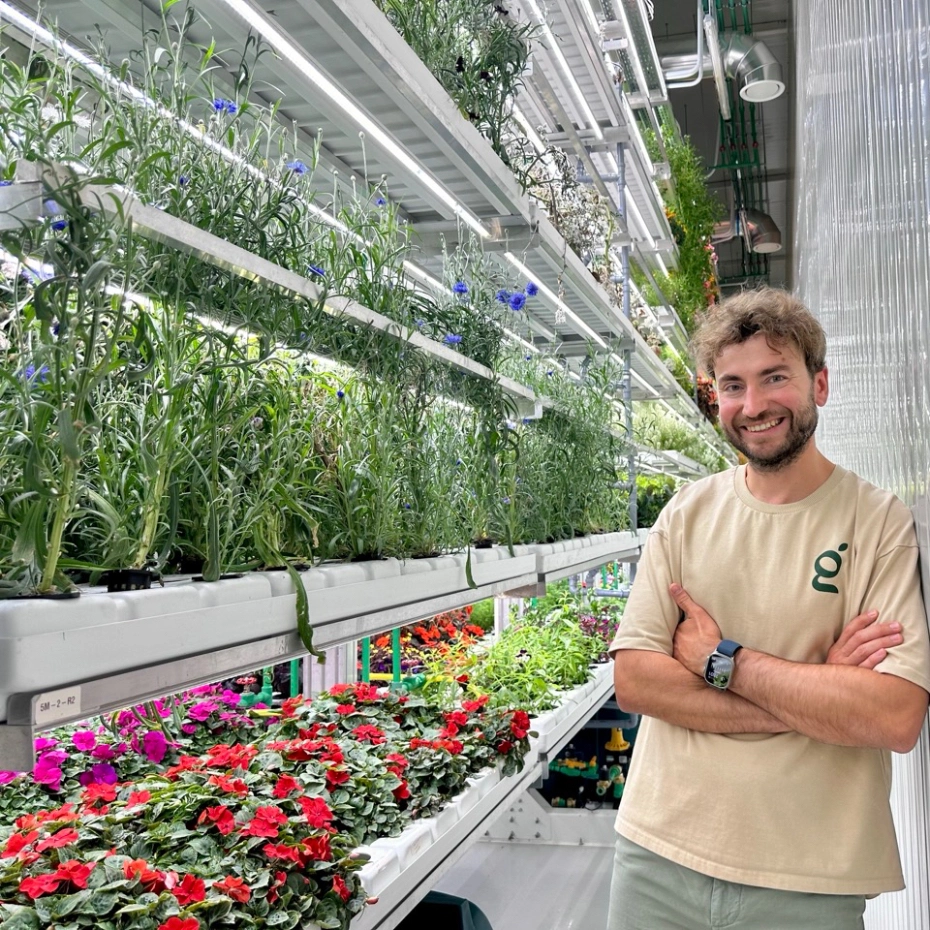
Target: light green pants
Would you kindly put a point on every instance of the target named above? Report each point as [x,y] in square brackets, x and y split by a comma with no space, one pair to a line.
[648,892]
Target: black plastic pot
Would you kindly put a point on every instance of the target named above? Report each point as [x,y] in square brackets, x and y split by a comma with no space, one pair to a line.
[129,579]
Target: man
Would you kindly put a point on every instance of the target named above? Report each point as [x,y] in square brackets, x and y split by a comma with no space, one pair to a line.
[758,790]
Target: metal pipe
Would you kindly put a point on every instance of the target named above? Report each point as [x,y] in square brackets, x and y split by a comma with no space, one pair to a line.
[746,60]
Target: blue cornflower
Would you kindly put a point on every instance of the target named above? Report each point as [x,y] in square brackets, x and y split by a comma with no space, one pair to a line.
[219,104]
[460,288]
[340,394]
[231,107]
[549,373]
[380,202]
[406,506]
[527,358]
[505,500]
[451,339]
[315,271]
[517,301]
[419,323]
[502,296]
[527,421]
[5,183]
[458,462]
[30,373]
[183,180]
[298,167]
[59,225]
[531,289]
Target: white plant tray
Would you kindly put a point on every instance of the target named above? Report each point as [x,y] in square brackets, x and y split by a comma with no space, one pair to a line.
[404,868]
[557,726]
[189,632]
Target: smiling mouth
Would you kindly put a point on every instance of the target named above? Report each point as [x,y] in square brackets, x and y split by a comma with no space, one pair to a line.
[764,427]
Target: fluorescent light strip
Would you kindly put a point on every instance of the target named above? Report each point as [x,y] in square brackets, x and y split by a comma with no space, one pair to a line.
[554,299]
[563,65]
[632,208]
[284,47]
[75,54]
[305,66]
[590,17]
[513,336]
[531,133]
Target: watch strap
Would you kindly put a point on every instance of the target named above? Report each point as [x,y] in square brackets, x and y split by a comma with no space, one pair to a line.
[728,647]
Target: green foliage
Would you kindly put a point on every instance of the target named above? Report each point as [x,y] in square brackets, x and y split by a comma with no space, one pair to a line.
[692,212]
[655,428]
[477,52]
[186,429]
[653,492]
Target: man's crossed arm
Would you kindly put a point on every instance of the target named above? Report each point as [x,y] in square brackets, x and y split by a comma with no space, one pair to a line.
[842,702]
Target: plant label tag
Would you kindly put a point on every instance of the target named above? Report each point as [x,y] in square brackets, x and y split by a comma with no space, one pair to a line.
[51,706]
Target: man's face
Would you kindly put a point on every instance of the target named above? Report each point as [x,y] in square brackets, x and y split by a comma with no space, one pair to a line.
[768,401]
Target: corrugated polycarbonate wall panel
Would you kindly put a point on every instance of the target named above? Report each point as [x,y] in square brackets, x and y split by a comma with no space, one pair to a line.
[862,263]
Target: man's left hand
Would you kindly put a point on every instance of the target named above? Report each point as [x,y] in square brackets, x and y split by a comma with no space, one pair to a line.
[697,635]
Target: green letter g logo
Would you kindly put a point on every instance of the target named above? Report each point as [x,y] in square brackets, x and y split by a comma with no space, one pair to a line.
[834,562]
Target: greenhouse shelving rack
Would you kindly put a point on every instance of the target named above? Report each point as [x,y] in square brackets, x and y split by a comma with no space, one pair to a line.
[404,868]
[442,172]
[136,645]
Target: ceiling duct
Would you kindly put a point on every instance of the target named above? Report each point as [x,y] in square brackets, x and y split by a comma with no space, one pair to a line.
[758,230]
[745,60]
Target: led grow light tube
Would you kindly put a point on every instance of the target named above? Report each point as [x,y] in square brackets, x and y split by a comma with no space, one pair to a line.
[563,66]
[286,49]
[554,299]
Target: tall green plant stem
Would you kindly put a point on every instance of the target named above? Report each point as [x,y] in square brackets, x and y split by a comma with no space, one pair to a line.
[63,509]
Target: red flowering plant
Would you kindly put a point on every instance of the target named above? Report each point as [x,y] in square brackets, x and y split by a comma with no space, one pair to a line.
[419,642]
[212,842]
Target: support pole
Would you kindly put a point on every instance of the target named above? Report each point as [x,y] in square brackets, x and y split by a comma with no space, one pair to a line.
[395,654]
[295,677]
[366,660]
[627,353]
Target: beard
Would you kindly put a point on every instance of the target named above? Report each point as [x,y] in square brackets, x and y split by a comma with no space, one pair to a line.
[802,426]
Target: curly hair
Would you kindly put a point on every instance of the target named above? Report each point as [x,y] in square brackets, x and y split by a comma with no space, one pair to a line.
[778,315]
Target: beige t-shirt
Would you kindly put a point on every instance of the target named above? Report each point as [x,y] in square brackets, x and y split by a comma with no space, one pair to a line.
[774,810]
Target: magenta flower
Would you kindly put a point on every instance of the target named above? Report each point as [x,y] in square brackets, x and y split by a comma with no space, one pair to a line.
[7,777]
[103,753]
[48,775]
[202,711]
[84,740]
[56,757]
[189,728]
[230,697]
[154,745]
[201,689]
[104,774]
[44,742]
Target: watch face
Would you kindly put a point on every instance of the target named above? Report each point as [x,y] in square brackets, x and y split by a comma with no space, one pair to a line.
[718,670]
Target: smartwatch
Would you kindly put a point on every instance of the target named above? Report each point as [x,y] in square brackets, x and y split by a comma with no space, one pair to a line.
[718,670]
